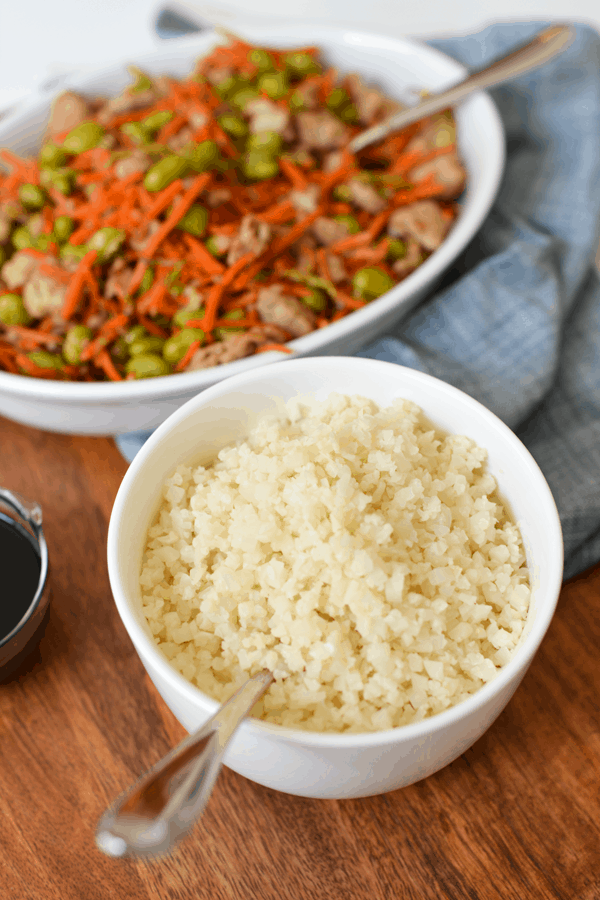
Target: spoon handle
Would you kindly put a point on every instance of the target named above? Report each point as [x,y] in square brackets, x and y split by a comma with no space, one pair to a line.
[543,47]
[163,805]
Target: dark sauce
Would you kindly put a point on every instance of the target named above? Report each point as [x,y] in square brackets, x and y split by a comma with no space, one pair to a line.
[20,567]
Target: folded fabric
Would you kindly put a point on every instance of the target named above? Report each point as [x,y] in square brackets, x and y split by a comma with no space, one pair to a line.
[517,322]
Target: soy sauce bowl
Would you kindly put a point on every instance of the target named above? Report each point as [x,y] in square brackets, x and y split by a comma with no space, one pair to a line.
[21,523]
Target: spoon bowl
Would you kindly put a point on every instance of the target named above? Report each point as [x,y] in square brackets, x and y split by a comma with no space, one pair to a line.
[544,46]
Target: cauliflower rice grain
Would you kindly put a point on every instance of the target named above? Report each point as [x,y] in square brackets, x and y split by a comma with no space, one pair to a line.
[357,553]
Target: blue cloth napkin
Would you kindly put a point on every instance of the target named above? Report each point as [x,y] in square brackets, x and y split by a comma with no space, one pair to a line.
[517,322]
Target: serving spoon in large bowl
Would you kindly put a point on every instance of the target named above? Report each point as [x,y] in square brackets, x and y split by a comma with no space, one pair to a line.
[162,806]
[544,46]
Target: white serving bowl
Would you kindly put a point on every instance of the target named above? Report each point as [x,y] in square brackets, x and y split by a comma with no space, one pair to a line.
[398,66]
[302,762]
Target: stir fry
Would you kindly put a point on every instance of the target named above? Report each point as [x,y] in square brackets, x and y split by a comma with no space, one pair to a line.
[187,223]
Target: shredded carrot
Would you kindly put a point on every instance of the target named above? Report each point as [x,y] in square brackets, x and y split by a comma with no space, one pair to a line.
[294,173]
[171,128]
[163,198]
[32,252]
[348,301]
[279,214]
[75,289]
[346,168]
[202,257]
[8,362]
[151,327]
[30,367]
[212,305]
[107,365]
[149,268]
[429,187]
[107,333]
[415,158]
[179,210]
[322,263]
[34,336]
[151,300]
[188,356]
[58,274]
[264,348]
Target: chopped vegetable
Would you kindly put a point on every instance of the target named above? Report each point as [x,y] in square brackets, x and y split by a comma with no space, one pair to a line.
[187,223]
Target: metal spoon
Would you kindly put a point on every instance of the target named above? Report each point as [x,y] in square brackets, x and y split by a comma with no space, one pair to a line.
[545,45]
[164,804]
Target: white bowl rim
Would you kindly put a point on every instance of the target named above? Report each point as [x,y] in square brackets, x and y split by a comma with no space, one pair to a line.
[193,695]
[462,233]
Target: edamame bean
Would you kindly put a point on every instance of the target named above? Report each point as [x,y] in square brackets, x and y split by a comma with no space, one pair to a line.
[352,224]
[72,255]
[42,242]
[242,96]
[45,360]
[136,131]
[135,334]
[340,103]
[77,337]
[194,221]
[216,246]
[147,365]
[32,196]
[150,343]
[348,114]
[64,227]
[155,121]
[274,84]
[12,310]
[257,166]
[141,81]
[316,300]
[297,102]
[84,136]
[268,142]
[371,282]
[226,86]
[178,345]
[146,282]
[164,172]
[396,250]
[119,350]
[225,330]
[337,98]
[260,58]
[233,125]
[52,157]
[61,180]
[106,242]
[21,239]
[204,156]
[342,193]
[301,64]
[183,316]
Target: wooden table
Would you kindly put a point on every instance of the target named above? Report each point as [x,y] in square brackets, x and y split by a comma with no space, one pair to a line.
[517,816]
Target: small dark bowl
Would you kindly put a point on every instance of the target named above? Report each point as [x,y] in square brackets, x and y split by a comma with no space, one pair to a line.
[26,518]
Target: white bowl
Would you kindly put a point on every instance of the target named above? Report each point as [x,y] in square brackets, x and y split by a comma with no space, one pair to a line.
[301,762]
[398,66]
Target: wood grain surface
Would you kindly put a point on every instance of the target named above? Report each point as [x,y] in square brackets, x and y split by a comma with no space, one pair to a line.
[517,816]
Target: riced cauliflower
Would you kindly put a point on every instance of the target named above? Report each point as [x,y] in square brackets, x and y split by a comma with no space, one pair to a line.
[361,556]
